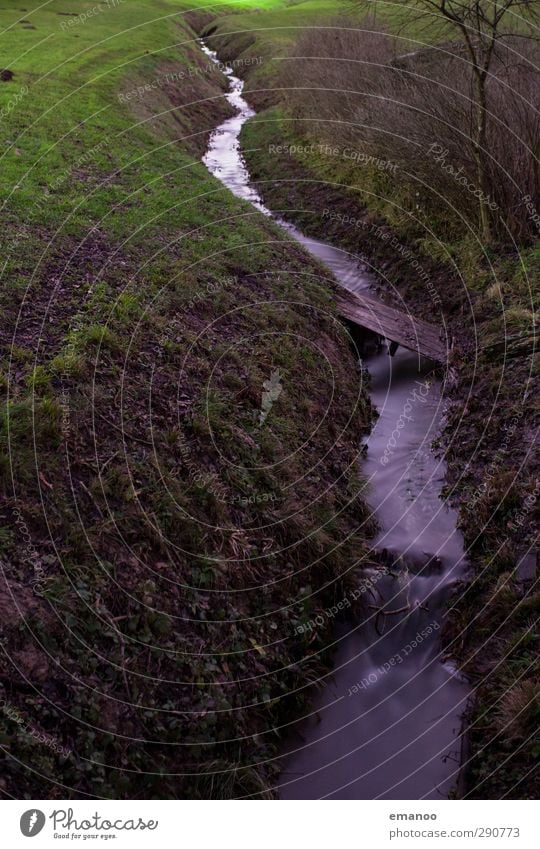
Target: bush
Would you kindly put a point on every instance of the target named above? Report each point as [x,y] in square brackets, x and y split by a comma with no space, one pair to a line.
[417,111]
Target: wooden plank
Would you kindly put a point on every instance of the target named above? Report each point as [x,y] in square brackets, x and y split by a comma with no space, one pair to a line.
[397,326]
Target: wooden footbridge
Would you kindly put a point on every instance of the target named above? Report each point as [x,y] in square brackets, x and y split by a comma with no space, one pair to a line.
[364,313]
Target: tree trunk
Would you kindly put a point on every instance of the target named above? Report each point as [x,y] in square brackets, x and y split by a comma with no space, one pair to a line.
[480,140]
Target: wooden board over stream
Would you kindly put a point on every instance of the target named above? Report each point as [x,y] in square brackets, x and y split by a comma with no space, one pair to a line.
[401,328]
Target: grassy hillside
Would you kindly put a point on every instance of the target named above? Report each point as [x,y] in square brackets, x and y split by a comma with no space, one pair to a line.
[159,545]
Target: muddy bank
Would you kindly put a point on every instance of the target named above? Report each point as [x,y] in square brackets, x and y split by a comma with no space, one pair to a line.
[325,208]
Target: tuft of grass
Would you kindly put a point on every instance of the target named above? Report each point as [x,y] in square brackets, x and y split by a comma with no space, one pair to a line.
[518,714]
[92,336]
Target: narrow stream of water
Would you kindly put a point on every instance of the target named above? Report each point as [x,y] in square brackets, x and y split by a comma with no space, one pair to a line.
[387,725]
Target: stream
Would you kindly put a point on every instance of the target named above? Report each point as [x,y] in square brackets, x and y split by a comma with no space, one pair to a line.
[387,724]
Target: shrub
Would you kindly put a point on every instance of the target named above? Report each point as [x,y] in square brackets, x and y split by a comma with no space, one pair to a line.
[417,111]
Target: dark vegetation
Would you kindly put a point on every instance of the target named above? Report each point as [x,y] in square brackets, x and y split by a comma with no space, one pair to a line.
[417,112]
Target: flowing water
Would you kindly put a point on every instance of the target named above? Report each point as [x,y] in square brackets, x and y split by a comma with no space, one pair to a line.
[387,724]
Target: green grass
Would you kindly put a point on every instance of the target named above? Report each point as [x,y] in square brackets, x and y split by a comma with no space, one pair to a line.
[129,445]
[271,29]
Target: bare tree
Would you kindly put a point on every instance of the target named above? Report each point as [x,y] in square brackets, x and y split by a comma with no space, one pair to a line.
[481,24]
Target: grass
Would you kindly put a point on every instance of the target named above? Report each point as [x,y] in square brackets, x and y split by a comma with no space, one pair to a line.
[271,29]
[137,295]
